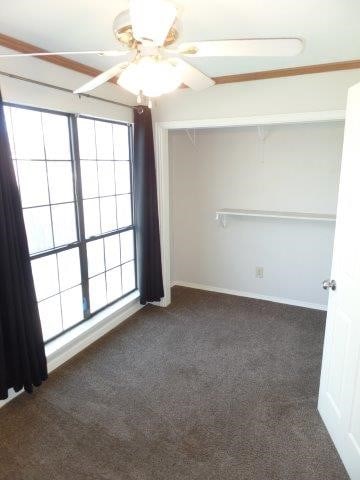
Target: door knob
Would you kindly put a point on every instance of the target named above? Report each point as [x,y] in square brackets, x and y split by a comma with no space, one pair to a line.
[327,284]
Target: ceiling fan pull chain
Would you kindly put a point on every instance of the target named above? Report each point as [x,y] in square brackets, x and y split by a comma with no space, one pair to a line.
[139,98]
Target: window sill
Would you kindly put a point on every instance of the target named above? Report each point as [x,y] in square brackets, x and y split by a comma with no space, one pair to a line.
[72,342]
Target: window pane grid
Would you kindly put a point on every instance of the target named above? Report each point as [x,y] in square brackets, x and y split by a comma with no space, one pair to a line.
[59,292]
[132,285]
[61,309]
[46,157]
[50,209]
[41,160]
[53,280]
[29,134]
[52,251]
[112,187]
[108,258]
[103,196]
[100,196]
[47,205]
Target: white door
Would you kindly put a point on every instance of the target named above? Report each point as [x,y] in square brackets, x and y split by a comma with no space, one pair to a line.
[339,399]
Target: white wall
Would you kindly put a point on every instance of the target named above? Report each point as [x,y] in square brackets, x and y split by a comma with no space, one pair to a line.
[304,93]
[298,171]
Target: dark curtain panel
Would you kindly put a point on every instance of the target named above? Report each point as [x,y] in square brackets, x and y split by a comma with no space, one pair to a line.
[148,250]
[22,355]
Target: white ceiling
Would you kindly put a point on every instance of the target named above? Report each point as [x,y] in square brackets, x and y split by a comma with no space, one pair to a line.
[330,28]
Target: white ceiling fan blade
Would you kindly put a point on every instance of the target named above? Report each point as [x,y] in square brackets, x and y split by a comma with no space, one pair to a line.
[102,78]
[251,47]
[151,20]
[102,53]
[191,76]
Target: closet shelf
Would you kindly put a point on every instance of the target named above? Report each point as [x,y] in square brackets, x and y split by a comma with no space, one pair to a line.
[319,217]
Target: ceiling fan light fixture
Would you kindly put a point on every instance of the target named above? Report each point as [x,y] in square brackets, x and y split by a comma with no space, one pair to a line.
[130,79]
[151,76]
[151,21]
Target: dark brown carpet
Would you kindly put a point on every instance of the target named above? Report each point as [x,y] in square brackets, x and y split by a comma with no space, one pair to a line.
[214,387]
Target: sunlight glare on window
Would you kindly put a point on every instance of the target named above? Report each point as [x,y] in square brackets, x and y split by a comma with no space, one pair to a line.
[97,288]
[106,178]
[124,210]
[86,133]
[69,268]
[33,183]
[56,136]
[60,182]
[75,182]
[104,141]
[95,257]
[90,186]
[127,246]
[28,134]
[64,224]
[45,274]
[108,214]
[121,142]
[112,251]
[113,284]
[38,229]
[72,306]
[50,316]
[91,217]
[128,277]
[122,177]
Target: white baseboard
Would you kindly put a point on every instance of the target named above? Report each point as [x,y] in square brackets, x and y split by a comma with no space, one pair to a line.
[258,296]
[93,330]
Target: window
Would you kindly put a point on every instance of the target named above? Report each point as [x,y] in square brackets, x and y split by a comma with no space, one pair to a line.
[75,180]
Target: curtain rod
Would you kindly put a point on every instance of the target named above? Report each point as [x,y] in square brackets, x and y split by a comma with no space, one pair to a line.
[62,89]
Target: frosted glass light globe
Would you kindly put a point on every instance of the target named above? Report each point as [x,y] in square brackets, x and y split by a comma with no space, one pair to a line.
[130,79]
[151,76]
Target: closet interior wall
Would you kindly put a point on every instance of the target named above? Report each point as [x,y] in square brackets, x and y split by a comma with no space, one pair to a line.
[294,168]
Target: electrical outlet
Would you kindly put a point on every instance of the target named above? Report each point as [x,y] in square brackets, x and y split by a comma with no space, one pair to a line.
[259,272]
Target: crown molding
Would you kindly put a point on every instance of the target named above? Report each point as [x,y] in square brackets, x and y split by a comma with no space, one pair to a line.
[24,47]
[289,72]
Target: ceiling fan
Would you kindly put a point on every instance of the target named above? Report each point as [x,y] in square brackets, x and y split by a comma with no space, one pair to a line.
[153,65]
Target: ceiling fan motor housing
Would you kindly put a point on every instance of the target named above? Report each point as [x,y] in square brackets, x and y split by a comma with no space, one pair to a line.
[124,33]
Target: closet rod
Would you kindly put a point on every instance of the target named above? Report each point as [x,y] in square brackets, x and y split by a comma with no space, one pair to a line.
[62,89]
